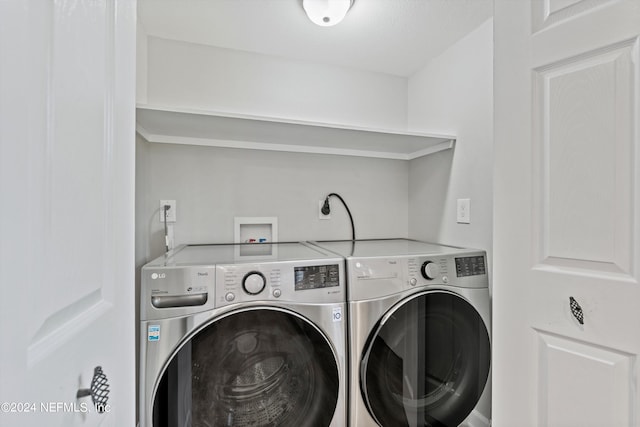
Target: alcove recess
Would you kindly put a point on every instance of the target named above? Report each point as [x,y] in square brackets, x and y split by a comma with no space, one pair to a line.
[216,129]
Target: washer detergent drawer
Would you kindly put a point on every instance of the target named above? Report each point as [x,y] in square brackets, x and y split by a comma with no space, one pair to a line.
[171,301]
[176,291]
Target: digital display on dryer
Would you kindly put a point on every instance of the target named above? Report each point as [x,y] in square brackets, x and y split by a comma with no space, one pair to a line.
[470,266]
[316,276]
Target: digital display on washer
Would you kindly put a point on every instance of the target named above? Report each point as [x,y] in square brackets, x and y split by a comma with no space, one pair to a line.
[316,276]
[470,266]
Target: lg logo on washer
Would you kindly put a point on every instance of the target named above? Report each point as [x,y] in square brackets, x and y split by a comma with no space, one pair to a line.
[155,276]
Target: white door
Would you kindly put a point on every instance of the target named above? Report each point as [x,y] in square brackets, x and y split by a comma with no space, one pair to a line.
[67,90]
[567,213]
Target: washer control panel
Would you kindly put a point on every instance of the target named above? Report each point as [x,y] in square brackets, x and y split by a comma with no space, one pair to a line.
[317,276]
[313,281]
[253,283]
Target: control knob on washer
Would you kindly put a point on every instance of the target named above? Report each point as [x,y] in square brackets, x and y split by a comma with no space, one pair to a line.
[253,283]
[430,270]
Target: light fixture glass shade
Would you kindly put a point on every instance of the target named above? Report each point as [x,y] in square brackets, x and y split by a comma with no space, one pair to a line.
[326,12]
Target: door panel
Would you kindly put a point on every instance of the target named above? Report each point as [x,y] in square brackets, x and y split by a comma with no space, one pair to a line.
[68,110]
[583,150]
[550,12]
[567,213]
[582,384]
[69,198]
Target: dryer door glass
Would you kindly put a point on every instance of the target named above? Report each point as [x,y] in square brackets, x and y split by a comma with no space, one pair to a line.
[427,362]
[259,367]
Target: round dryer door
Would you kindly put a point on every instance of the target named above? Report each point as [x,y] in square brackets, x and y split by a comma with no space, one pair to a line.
[256,367]
[427,362]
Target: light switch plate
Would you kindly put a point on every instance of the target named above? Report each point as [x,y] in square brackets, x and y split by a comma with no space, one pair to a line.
[464,211]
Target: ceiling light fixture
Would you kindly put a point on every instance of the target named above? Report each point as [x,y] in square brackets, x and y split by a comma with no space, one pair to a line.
[326,12]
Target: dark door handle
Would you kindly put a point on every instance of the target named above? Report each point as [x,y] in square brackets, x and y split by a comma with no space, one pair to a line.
[99,390]
[576,310]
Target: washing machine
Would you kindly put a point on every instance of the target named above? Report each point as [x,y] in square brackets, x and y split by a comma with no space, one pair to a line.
[419,334]
[243,335]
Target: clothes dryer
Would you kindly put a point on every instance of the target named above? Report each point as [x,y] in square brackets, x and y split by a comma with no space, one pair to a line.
[243,335]
[419,333]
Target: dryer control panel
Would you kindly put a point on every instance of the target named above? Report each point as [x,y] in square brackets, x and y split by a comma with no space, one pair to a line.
[463,270]
[374,277]
[470,266]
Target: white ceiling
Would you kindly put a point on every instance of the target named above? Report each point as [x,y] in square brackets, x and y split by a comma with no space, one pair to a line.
[389,36]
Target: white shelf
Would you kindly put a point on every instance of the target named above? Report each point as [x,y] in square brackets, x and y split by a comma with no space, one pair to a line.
[193,127]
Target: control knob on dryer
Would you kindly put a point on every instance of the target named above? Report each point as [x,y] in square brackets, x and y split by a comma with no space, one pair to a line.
[430,270]
[253,283]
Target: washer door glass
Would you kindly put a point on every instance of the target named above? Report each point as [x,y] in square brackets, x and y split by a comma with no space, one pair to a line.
[427,362]
[260,367]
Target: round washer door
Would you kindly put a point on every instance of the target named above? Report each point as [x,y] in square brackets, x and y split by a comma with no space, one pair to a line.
[257,367]
[426,363]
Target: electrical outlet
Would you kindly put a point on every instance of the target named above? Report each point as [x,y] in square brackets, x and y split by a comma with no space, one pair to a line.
[464,211]
[171,213]
[320,214]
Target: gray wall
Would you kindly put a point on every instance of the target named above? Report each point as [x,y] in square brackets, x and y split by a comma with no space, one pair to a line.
[214,185]
[193,76]
[454,94]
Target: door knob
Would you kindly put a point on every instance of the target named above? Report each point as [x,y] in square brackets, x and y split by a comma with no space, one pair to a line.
[99,390]
[576,310]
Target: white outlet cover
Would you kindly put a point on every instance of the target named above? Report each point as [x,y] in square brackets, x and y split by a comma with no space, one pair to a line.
[320,214]
[171,213]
